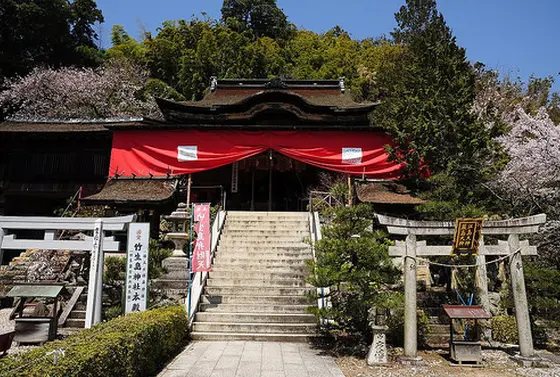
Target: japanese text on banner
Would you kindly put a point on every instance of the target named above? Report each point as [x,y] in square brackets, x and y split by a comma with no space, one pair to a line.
[201,258]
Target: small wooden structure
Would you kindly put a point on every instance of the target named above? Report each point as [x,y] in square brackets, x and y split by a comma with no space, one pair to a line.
[35,329]
[6,342]
[466,350]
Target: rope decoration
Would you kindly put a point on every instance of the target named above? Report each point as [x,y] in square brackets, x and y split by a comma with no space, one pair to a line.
[498,260]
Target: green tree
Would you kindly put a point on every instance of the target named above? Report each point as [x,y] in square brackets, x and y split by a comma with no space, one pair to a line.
[262,17]
[124,46]
[353,261]
[46,32]
[427,98]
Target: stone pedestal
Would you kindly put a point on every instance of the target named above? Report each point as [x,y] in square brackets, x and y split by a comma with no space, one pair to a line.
[177,268]
[174,283]
[377,354]
[529,362]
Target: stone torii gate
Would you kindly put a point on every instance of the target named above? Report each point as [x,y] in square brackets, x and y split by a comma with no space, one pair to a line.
[513,247]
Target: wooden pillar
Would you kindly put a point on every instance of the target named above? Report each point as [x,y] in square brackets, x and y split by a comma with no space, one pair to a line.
[253,190]
[410,325]
[349,190]
[270,182]
[1,250]
[189,185]
[520,299]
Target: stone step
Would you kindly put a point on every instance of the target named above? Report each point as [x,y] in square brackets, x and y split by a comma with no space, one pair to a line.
[257,328]
[280,226]
[258,307]
[264,283]
[260,275]
[261,291]
[263,262]
[267,220]
[250,256]
[266,214]
[255,254]
[263,245]
[436,329]
[267,224]
[171,284]
[437,340]
[439,320]
[262,300]
[77,314]
[75,323]
[263,241]
[294,233]
[223,317]
[287,338]
[269,249]
[301,269]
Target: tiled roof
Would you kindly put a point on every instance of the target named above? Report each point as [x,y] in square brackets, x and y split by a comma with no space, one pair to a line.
[135,190]
[385,193]
[77,125]
[315,97]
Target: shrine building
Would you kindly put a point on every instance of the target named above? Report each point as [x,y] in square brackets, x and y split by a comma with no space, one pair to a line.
[248,144]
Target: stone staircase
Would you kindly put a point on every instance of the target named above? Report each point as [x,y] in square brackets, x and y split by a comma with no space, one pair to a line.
[256,290]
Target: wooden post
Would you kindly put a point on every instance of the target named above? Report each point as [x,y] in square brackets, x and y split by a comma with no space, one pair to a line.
[253,189]
[410,325]
[1,249]
[520,299]
[349,190]
[189,185]
[95,284]
[270,182]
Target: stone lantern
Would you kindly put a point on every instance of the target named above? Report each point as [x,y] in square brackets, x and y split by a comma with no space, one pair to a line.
[179,235]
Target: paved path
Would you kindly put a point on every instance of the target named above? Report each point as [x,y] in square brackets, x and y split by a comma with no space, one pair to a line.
[251,359]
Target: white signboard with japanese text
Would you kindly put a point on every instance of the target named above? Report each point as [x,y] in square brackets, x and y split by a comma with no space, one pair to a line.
[352,156]
[187,153]
[137,267]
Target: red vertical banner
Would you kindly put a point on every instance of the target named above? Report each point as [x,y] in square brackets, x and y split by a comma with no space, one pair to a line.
[201,258]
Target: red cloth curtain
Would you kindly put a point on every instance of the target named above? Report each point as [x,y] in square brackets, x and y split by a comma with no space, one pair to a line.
[175,152]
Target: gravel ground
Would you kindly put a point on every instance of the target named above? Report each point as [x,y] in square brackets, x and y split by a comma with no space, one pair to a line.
[496,364]
[6,326]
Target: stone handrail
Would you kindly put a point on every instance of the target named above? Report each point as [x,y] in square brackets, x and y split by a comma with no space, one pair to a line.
[315,227]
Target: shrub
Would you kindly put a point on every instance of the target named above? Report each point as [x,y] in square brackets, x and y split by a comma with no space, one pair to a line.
[156,255]
[504,329]
[395,322]
[138,344]
[354,262]
[115,269]
[112,312]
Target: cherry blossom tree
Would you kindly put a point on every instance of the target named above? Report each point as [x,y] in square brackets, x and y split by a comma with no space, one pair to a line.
[532,176]
[530,182]
[115,90]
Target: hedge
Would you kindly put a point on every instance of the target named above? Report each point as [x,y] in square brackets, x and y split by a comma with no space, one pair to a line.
[138,344]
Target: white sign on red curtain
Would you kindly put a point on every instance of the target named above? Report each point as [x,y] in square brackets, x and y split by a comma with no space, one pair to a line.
[352,156]
[137,267]
[201,258]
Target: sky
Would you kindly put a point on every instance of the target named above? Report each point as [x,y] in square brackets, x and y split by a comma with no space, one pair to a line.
[518,38]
